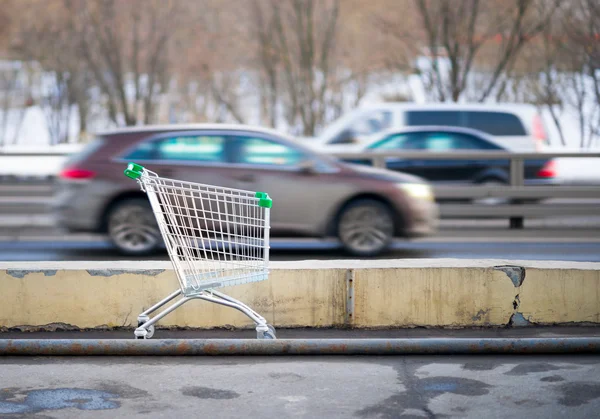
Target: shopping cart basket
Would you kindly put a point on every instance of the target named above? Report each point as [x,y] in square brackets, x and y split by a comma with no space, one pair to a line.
[215,237]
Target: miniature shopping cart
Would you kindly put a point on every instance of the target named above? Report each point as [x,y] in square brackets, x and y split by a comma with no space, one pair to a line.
[215,237]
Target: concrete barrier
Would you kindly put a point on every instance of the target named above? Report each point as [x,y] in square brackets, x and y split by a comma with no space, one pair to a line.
[362,294]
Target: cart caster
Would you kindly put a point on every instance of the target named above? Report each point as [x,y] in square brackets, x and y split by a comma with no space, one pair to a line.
[142,319]
[141,333]
[268,334]
[150,332]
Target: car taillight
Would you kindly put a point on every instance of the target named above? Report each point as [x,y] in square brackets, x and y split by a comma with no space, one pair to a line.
[75,173]
[539,132]
[548,170]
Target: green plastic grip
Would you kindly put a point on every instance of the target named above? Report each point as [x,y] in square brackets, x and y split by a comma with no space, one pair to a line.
[264,200]
[134,171]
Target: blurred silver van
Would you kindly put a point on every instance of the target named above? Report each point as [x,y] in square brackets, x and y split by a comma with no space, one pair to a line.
[517,127]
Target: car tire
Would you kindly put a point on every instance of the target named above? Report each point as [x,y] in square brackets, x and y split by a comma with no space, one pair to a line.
[502,201]
[491,201]
[132,228]
[366,227]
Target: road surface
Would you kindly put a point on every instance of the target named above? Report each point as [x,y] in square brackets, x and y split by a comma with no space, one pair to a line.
[542,249]
[572,239]
[304,387]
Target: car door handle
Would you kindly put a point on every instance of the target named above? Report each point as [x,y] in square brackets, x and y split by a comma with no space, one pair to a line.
[245,178]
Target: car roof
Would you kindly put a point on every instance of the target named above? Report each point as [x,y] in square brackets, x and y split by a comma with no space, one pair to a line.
[469,106]
[160,129]
[194,127]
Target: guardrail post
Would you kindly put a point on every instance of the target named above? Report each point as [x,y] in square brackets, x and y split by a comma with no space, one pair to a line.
[517,172]
[517,178]
[379,162]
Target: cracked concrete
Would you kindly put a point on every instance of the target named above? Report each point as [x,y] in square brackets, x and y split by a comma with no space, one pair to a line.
[386,293]
[517,276]
[515,273]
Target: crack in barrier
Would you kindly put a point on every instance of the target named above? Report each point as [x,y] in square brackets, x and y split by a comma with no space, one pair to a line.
[516,274]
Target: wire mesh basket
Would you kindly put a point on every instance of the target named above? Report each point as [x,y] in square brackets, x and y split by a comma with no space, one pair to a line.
[215,237]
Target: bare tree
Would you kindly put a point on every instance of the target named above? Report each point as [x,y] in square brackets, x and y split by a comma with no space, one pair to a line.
[583,29]
[269,62]
[9,77]
[9,70]
[305,36]
[214,61]
[126,47]
[463,35]
[544,73]
[50,41]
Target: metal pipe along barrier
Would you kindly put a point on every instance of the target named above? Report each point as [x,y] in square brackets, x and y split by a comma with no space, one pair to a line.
[223,347]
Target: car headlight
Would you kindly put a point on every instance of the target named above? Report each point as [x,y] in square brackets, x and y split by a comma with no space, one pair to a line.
[418,190]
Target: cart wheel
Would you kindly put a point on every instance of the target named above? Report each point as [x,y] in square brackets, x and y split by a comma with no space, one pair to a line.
[150,332]
[269,334]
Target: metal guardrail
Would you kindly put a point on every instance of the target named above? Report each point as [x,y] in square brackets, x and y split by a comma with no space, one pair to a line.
[518,195]
[517,160]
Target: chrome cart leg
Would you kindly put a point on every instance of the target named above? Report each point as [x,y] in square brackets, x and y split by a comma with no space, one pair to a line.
[146,329]
[263,330]
[144,317]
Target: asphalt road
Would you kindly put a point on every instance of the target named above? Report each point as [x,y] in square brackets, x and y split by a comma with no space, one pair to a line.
[565,249]
[305,387]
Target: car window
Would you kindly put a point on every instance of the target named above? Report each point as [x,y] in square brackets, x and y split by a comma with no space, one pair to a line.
[495,123]
[443,141]
[198,148]
[399,142]
[261,151]
[450,118]
[372,123]
[143,151]
[186,147]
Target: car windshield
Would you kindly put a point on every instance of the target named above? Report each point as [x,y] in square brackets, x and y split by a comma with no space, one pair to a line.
[350,119]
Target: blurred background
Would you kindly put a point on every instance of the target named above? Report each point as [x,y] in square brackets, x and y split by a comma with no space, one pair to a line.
[343,77]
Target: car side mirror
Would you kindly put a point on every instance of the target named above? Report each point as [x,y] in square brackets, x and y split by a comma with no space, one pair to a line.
[346,137]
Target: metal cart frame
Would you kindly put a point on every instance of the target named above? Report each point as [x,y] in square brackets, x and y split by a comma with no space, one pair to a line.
[215,237]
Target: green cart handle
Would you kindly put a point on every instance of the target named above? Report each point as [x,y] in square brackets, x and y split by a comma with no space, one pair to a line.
[134,171]
[264,200]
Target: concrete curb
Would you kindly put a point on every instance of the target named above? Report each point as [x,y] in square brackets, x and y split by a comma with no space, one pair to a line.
[441,293]
[224,347]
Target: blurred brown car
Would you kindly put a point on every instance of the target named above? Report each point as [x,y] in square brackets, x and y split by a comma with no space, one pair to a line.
[313,195]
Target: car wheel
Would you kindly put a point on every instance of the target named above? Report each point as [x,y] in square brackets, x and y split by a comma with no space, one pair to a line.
[491,200]
[132,228]
[366,227]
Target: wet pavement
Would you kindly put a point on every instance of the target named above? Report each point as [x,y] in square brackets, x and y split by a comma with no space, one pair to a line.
[304,387]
